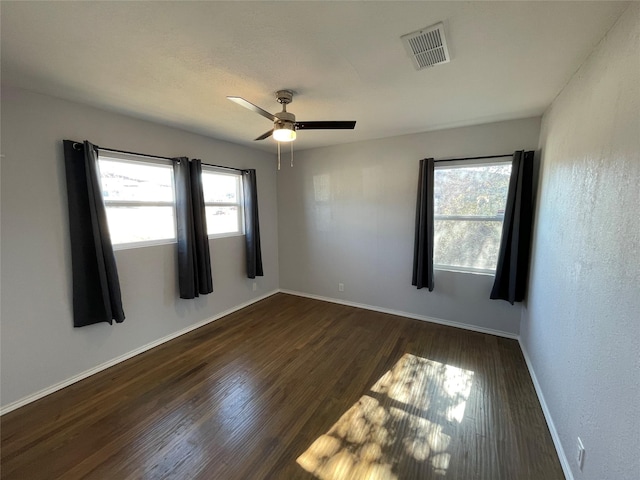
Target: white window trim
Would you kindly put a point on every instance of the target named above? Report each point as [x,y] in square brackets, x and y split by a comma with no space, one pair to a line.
[133,158]
[487,162]
[127,158]
[500,218]
[239,204]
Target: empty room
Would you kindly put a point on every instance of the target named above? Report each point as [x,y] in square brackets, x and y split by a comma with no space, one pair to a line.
[346,240]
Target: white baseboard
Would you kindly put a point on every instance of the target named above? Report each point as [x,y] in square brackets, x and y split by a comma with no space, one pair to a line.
[87,373]
[564,461]
[400,313]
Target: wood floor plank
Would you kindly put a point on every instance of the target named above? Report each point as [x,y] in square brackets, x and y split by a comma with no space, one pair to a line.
[289,383]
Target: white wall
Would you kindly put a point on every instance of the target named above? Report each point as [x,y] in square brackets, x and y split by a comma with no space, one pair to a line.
[347,214]
[39,345]
[581,324]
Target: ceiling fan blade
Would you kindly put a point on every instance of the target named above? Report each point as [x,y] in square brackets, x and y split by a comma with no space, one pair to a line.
[346,125]
[264,135]
[254,108]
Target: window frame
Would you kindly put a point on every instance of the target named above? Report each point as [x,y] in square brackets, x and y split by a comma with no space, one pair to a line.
[239,204]
[137,160]
[479,218]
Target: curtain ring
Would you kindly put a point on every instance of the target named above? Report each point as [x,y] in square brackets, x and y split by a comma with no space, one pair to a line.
[76,144]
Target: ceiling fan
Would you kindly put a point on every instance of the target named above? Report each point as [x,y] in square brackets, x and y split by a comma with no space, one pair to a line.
[284,123]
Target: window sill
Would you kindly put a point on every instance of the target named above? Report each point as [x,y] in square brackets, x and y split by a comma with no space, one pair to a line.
[446,268]
[148,243]
[225,235]
[153,243]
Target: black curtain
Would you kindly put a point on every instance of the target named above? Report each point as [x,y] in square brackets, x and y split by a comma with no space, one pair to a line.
[423,246]
[513,260]
[194,261]
[96,287]
[251,224]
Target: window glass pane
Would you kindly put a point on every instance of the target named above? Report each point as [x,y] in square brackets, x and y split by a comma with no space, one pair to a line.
[469,209]
[222,220]
[140,224]
[475,190]
[220,187]
[136,181]
[473,244]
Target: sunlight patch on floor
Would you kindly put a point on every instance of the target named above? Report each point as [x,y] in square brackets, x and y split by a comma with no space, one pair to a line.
[404,418]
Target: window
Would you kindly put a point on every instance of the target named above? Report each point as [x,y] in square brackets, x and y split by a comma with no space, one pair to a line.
[139,199]
[223,202]
[469,202]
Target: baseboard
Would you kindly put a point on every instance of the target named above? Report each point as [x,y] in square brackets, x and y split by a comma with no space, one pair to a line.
[564,461]
[400,313]
[87,373]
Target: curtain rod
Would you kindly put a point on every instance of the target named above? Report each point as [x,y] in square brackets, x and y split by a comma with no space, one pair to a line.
[156,156]
[473,158]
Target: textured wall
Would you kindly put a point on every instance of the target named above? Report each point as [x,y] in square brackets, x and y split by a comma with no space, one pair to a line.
[347,214]
[39,345]
[581,324]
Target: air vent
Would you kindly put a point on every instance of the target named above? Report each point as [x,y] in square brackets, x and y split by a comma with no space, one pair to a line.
[427,47]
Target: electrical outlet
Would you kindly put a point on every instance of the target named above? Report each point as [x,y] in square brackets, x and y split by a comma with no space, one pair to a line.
[580,454]
[341,287]
[255,286]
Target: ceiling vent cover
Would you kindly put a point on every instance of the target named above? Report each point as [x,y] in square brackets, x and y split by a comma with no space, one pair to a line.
[427,47]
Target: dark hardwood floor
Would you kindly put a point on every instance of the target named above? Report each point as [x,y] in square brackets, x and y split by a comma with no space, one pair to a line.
[293,388]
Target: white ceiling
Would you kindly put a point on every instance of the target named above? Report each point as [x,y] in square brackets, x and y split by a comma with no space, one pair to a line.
[175,62]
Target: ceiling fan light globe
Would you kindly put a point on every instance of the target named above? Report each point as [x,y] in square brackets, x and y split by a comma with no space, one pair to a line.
[284,135]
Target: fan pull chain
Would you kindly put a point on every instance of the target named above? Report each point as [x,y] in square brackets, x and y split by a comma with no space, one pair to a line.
[291,143]
[278,156]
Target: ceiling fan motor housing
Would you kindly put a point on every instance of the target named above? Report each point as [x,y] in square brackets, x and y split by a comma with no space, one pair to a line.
[285,120]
